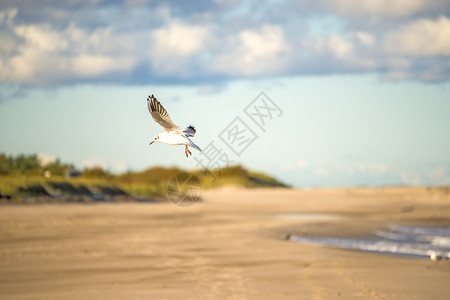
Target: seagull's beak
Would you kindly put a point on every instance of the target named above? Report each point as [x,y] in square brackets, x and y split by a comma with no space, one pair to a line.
[152,142]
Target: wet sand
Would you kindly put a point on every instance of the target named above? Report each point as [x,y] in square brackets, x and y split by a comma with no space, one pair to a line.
[230,246]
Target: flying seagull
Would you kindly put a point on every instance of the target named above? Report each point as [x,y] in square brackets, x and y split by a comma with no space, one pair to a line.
[172,133]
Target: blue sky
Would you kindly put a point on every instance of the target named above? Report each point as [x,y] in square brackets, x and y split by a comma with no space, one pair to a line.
[363,86]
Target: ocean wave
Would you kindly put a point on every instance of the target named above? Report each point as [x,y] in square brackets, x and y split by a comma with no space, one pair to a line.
[400,240]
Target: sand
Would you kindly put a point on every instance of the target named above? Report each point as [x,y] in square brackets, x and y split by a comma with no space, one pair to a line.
[230,246]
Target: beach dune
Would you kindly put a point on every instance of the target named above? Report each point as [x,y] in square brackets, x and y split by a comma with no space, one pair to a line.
[231,245]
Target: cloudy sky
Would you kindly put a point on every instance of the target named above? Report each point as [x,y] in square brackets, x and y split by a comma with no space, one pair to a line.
[359,89]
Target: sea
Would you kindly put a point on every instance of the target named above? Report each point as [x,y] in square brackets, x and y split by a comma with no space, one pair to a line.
[399,240]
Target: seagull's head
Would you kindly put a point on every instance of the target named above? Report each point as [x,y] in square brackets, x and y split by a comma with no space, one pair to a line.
[155,139]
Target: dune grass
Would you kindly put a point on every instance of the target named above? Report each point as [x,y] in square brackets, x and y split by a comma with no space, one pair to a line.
[149,183]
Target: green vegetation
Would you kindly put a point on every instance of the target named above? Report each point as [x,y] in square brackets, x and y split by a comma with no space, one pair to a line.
[25,178]
[236,176]
[30,165]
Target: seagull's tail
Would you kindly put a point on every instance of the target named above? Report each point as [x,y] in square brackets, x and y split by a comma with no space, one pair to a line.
[194,146]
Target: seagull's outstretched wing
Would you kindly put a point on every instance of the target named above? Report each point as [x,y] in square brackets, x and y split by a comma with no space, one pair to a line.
[189,131]
[160,116]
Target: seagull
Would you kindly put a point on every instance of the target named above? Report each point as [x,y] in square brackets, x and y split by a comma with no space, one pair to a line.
[172,134]
[438,256]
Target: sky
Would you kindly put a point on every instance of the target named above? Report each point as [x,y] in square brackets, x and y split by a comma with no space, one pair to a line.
[317,93]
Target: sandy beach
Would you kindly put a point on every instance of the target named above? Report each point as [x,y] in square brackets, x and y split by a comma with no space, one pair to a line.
[229,246]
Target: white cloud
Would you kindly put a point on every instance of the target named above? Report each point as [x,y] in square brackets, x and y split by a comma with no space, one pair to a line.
[373,168]
[45,159]
[420,38]
[42,37]
[365,38]
[364,8]
[8,16]
[340,47]
[88,65]
[350,50]
[321,171]
[301,164]
[174,44]
[335,45]
[179,39]
[68,44]
[48,55]
[118,166]
[254,52]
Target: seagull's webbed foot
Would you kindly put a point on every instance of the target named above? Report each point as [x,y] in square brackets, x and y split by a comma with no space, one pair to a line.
[187,152]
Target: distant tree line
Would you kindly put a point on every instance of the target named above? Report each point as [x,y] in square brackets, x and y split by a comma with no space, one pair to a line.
[23,164]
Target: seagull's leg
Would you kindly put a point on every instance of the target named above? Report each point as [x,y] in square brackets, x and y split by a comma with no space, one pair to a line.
[187,151]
